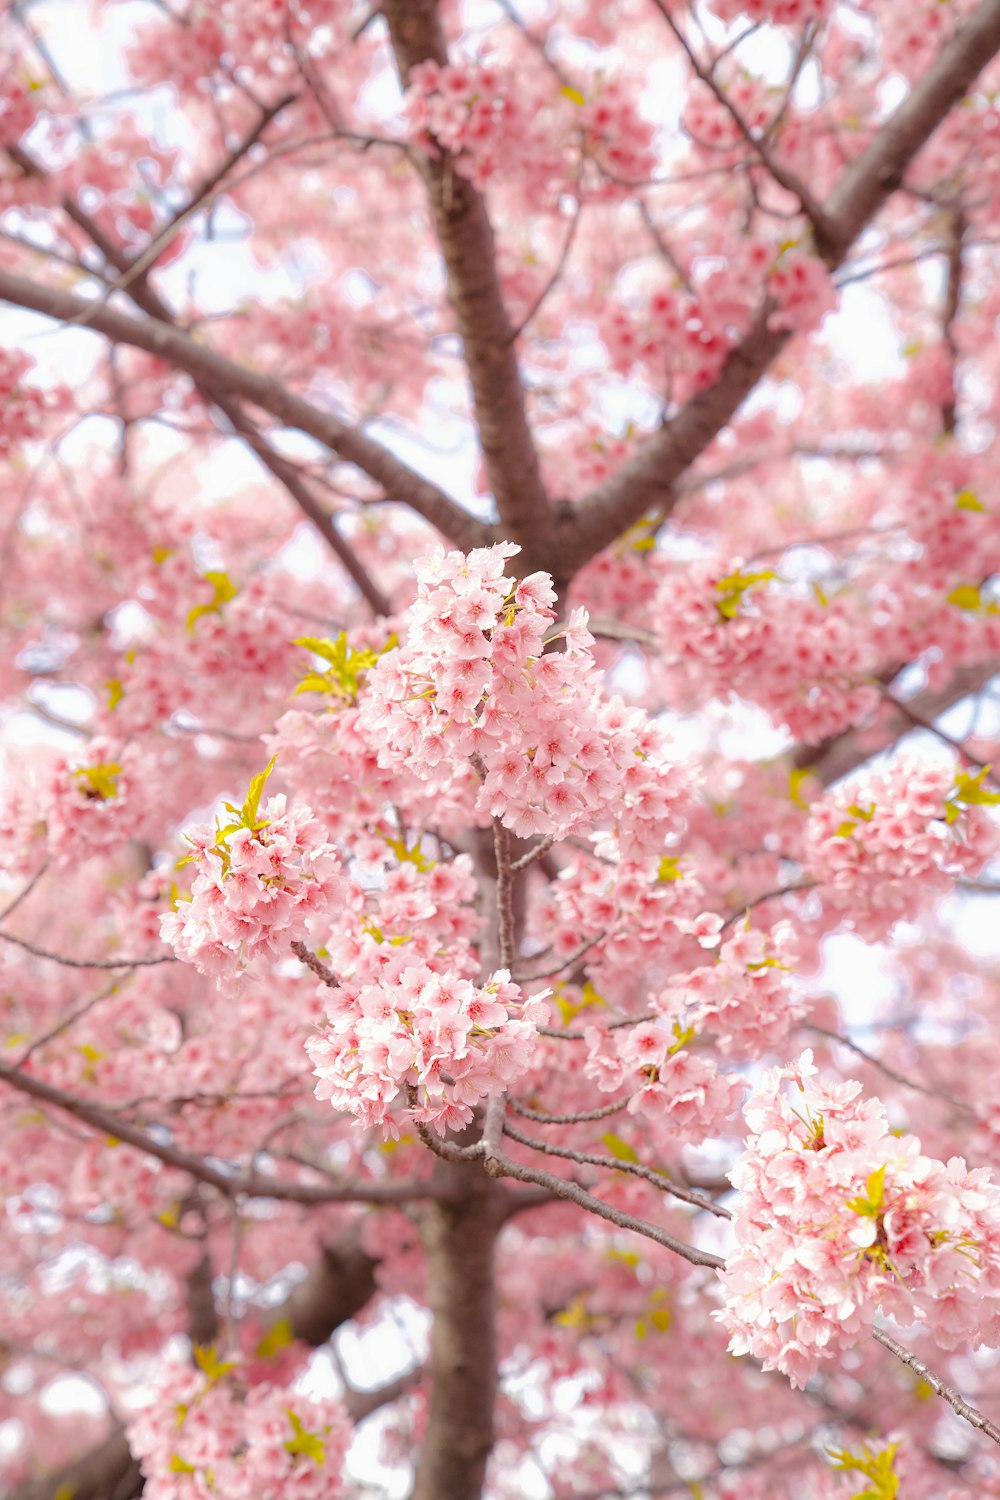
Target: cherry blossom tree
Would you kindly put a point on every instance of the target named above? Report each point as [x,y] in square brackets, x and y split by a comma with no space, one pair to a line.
[501,543]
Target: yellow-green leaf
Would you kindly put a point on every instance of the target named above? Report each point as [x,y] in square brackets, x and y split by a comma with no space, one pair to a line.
[575,1315]
[101,780]
[970,791]
[619,1149]
[223,589]
[796,777]
[278,1337]
[670,869]
[209,1363]
[252,803]
[734,585]
[180,1465]
[966,500]
[310,1444]
[661,1318]
[965,596]
[572,94]
[115,693]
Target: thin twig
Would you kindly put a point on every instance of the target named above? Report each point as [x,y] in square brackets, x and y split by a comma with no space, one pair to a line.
[748,906]
[566,962]
[572,1192]
[581,1117]
[109,989]
[535,852]
[955,1400]
[901,1078]
[24,893]
[557,272]
[306,956]
[614,1164]
[87,963]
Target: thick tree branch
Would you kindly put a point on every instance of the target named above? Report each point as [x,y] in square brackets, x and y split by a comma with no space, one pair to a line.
[649,476]
[230,1185]
[957,227]
[843,753]
[208,368]
[134,275]
[465,236]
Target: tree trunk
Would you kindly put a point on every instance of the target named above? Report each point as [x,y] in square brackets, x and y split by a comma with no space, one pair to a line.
[459,1239]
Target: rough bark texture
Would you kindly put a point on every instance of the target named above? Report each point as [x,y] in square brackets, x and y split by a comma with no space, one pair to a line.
[459,1243]
[465,236]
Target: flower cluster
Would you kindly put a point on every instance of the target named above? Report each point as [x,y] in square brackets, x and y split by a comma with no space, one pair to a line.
[745,999]
[472,680]
[262,881]
[445,1043]
[777,12]
[23,408]
[490,126]
[881,837]
[803,660]
[837,1217]
[206,1435]
[674,1087]
[803,289]
[85,801]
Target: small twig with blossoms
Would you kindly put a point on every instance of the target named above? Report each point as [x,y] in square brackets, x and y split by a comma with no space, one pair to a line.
[573,1192]
[659,1180]
[812,209]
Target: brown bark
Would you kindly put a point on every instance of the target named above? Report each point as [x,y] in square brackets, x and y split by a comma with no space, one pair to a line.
[465,236]
[648,478]
[339,1284]
[459,1243]
[206,367]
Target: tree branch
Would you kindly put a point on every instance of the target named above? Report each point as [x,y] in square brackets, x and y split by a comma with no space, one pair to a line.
[649,476]
[244,1185]
[206,367]
[561,1187]
[465,236]
[339,1284]
[954,1399]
